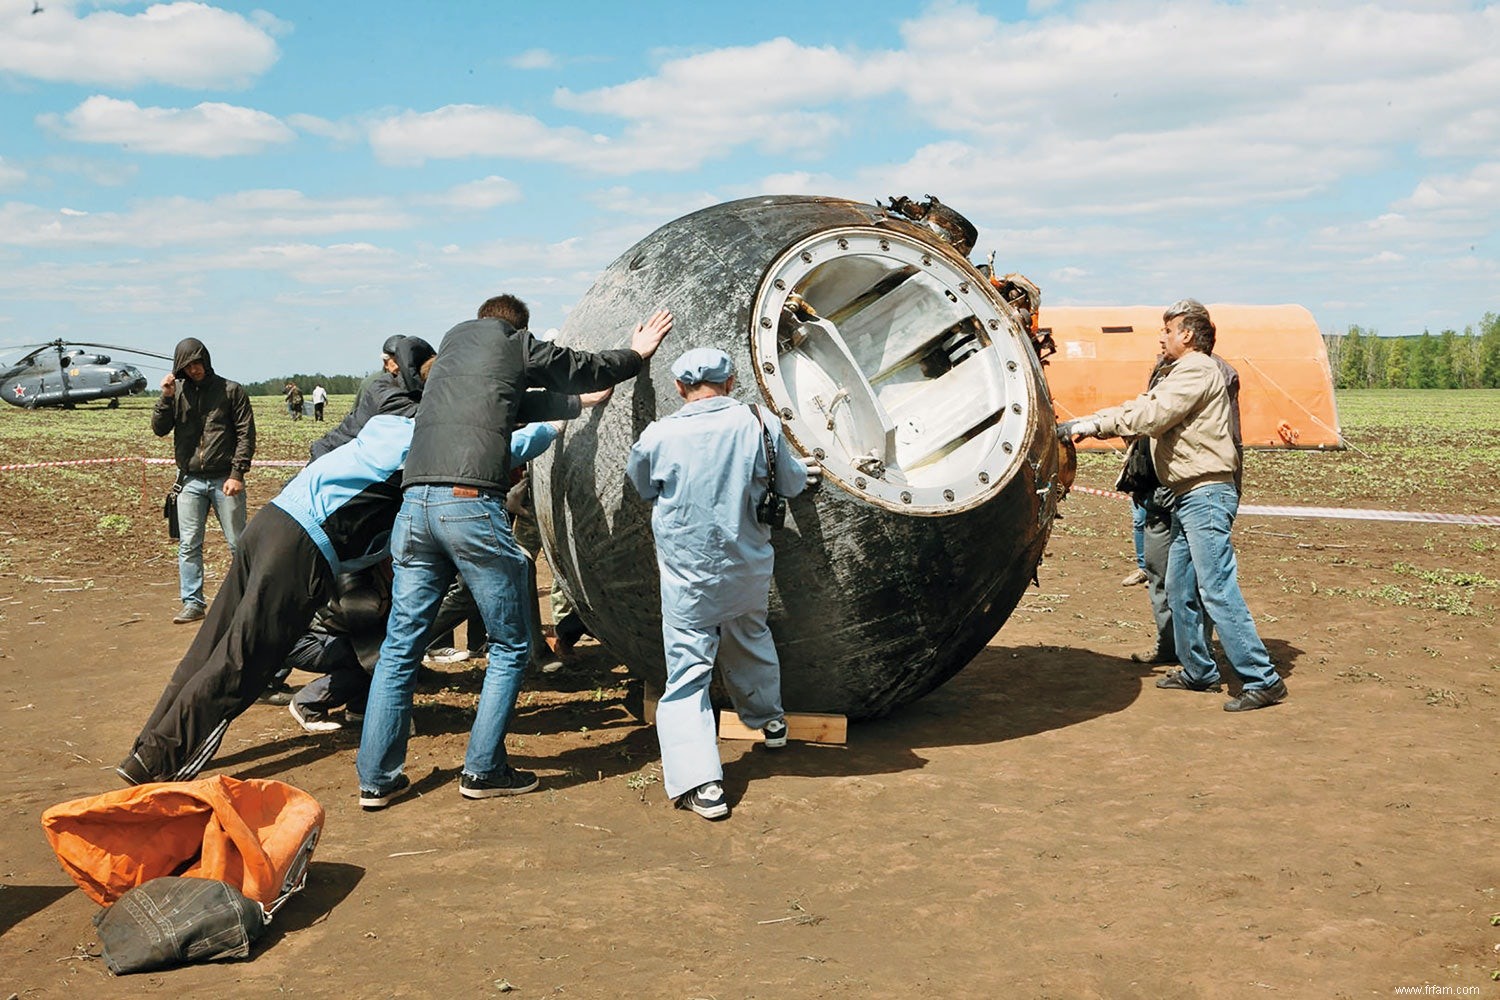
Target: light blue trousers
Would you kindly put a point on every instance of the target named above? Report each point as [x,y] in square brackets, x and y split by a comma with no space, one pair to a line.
[685,718]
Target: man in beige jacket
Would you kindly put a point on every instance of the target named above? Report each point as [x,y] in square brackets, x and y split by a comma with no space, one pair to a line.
[1187,415]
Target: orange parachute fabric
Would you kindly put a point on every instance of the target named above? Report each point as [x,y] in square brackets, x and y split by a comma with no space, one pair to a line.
[254,834]
[1105,353]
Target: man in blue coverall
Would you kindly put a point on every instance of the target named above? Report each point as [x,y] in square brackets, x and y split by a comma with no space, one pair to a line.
[705,468]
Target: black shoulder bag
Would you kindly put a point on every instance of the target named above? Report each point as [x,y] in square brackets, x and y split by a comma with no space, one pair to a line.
[169,508]
[771,509]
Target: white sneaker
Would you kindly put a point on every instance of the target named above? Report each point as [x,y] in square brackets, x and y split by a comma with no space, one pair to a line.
[775,734]
[446,654]
[313,720]
[707,800]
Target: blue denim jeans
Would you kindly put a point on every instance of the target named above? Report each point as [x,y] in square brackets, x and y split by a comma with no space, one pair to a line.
[1202,575]
[436,536]
[193,502]
[1138,533]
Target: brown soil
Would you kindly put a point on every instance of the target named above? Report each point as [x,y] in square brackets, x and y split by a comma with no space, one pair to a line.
[1048,824]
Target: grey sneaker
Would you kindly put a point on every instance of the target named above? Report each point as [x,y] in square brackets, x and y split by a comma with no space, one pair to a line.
[446,654]
[707,800]
[775,734]
[507,782]
[1261,697]
[190,613]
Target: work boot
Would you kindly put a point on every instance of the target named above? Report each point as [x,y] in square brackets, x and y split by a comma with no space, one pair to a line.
[1154,655]
[1135,578]
[190,613]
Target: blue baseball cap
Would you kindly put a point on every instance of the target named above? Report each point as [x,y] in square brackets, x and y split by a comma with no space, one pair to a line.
[703,364]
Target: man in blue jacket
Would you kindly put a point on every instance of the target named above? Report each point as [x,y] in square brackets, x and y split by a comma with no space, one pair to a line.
[333,518]
[453,520]
[705,469]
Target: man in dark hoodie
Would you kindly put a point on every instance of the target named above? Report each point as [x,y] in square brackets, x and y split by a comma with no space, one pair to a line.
[392,391]
[213,438]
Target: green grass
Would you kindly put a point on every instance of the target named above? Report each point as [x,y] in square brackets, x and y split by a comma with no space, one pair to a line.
[1409,449]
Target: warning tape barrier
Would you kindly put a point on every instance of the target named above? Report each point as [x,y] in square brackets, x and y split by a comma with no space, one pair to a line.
[1341,513]
[1344,513]
[273,464]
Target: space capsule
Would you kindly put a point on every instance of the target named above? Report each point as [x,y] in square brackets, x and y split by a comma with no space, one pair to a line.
[896,362]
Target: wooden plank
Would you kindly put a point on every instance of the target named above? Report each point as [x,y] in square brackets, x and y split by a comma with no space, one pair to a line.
[808,727]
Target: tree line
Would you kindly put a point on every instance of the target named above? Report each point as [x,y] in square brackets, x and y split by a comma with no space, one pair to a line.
[337,385]
[1360,359]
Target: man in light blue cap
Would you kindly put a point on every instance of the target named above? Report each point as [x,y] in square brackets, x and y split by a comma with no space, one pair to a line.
[705,468]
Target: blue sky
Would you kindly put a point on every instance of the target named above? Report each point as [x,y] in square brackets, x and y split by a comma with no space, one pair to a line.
[295,182]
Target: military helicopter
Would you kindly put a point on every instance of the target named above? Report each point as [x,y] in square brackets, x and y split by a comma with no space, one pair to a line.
[63,373]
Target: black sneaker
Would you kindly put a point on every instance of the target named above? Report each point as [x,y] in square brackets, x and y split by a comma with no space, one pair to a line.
[507,782]
[314,720]
[1262,697]
[1176,680]
[133,771]
[190,613]
[707,800]
[775,734]
[276,694]
[372,800]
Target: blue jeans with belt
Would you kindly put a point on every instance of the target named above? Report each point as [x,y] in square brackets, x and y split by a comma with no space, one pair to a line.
[198,494]
[437,535]
[1202,576]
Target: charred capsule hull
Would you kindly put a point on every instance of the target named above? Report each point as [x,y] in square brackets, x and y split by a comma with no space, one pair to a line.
[885,354]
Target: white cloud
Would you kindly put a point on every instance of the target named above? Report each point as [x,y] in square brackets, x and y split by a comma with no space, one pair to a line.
[100,172]
[337,264]
[533,59]
[159,222]
[488,192]
[208,130]
[10,176]
[338,131]
[178,44]
[463,130]
[660,207]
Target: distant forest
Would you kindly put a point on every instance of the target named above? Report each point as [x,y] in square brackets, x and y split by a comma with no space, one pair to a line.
[337,385]
[1361,359]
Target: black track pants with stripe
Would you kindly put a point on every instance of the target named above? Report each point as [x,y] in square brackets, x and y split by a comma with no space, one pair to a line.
[276,584]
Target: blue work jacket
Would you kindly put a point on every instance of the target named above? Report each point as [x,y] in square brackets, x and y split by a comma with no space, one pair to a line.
[704,469]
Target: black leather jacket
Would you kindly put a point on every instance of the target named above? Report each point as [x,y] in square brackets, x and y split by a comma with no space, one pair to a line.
[211,423]
[477,394]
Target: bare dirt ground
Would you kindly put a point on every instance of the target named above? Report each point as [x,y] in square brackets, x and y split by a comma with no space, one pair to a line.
[1048,824]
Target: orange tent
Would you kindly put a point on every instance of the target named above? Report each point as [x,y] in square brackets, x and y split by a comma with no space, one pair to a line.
[255,834]
[1105,353]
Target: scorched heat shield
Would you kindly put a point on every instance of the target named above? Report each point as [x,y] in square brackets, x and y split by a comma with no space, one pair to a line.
[889,356]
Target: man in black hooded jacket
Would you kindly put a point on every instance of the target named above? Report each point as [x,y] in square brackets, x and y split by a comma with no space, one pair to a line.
[389,392]
[213,438]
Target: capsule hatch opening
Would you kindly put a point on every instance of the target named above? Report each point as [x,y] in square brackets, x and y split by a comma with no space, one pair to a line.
[897,367]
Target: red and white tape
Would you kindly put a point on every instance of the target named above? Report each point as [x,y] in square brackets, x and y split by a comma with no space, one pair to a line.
[1341,513]
[274,464]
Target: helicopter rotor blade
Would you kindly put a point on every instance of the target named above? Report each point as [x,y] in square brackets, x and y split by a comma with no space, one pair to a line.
[117,347]
[35,350]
